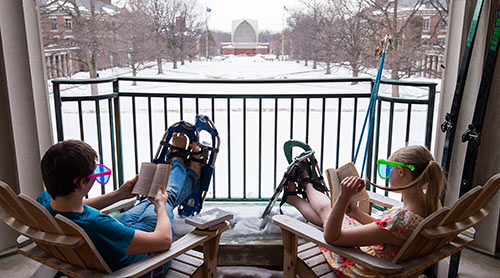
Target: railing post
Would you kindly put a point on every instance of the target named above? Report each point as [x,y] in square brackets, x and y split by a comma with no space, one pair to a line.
[118,131]
[57,108]
[430,115]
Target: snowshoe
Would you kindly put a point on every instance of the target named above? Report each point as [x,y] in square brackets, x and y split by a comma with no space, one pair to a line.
[208,154]
[306,161]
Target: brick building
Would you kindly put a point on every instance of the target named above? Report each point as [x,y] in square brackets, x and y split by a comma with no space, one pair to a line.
[244,39]
[62,53]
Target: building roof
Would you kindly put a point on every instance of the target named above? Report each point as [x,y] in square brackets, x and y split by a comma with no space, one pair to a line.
[84,5]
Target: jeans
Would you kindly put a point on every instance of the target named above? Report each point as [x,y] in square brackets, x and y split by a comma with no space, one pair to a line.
[143,217]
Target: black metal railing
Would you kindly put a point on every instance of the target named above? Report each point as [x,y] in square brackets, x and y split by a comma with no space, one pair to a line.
[246,121]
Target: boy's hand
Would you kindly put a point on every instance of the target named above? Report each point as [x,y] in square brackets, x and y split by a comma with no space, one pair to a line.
[350,186]
[160,199]
[126,189]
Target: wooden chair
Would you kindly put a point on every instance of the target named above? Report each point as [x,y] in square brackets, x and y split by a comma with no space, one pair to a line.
[438,236]
[63,245]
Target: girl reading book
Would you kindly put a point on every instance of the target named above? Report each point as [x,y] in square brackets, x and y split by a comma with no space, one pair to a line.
[413,172]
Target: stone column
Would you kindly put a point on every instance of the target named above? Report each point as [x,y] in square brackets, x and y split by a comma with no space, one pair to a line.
[24,118]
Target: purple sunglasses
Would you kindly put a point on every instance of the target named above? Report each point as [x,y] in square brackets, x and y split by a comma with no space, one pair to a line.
[101,174]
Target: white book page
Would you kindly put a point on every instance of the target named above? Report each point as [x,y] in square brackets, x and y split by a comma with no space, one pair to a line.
[160,179]
[146,175]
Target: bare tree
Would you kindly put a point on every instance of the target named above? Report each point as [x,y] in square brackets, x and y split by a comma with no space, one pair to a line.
[91,29]
[134,37]
[385,17]
[353,35]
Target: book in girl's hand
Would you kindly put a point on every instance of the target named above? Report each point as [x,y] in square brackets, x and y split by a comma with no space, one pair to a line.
[209,218]
[335,177]
[151,176]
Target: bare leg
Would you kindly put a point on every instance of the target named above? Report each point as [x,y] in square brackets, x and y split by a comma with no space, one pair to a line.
[303,207]
[319,202]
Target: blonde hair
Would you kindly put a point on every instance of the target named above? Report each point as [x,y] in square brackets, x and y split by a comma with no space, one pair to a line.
[427,171]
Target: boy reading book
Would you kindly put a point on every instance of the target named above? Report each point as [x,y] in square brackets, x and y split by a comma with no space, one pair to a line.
[151,177]
[69,171]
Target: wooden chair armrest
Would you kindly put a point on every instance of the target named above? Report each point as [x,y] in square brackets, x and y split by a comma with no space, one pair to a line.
[122,205]
[382,200]
[187,242]
[314,235]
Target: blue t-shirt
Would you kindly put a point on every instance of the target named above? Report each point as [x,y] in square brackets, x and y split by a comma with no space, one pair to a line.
[110,237]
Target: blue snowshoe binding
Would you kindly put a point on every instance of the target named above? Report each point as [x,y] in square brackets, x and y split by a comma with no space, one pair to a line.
[208,154]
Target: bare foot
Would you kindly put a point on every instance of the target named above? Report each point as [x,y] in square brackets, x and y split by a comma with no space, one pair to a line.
[195,166]
[179,140]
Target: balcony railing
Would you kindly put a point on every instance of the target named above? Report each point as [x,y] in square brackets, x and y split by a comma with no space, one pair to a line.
[126,126]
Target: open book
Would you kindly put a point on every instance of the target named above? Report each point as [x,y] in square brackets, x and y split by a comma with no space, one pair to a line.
[335,177]
[209,218]
[151,176]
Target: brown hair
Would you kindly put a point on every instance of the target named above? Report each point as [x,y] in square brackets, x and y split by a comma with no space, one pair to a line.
[427,171]
[64,162]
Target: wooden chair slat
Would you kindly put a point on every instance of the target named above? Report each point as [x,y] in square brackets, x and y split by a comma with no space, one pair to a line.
[329,275]
[458,210]
[316,260]
[305,246]
[454,228]
[322,269]
[172,273]
[304,255]
[194,253]
[14,206]
[87,252]
[193,261]
[42,216]
[183,267]
[48,224]
[489,190]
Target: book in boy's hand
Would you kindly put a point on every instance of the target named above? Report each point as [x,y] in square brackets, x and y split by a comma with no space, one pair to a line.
[209,218]
[335,177]
[151,176]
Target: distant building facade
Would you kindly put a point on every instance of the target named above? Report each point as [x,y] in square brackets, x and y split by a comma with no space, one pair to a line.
[244,39]
[63,56]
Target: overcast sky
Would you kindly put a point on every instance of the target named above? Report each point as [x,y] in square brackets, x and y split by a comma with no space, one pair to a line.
[268,13]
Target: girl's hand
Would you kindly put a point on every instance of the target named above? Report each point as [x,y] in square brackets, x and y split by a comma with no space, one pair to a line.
[350,186]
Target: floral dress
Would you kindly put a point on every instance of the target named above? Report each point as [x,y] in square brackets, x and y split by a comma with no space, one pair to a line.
[400,222]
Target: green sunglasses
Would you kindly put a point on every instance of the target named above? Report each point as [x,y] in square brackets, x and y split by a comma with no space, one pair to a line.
[384,167]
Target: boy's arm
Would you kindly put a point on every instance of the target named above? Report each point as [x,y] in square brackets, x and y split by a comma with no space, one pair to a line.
[161,238]
[124,192]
